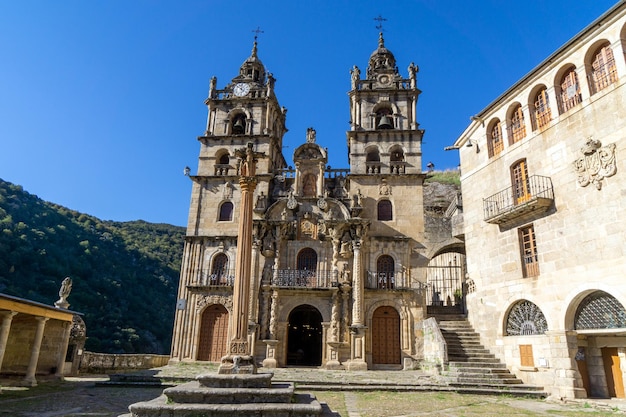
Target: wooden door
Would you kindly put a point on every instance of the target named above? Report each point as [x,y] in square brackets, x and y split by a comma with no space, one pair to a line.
[612,369]
[213,334]
[386,336]
[521,188]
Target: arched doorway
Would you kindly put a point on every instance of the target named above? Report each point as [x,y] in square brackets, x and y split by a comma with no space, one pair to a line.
[213,334]
[386,336]
[304,338]
[385,266]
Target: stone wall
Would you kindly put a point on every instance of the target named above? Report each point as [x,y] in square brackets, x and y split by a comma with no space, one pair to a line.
[104,362]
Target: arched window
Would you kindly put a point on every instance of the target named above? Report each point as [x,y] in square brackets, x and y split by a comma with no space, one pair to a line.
[517,128]
[384,118]
[525,319]
[224,159]
[569,90]
[372,161]
[495,144]
[226,212]
[385,210]
[309,186]
[385,267]
[603,69]
[541,109]
[519,180]
[239,124]
[600,310]
[307,260]
[219,269]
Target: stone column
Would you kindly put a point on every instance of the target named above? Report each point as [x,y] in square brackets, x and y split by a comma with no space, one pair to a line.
[239,359]
[7,318]
[357,286]
[67,328]
[30,380]
[357,329]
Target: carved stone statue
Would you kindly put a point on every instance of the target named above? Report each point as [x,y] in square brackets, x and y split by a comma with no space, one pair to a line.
[413,74]
[356,77]
[64,292]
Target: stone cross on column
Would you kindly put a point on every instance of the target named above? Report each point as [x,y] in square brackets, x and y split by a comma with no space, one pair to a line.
[239,359]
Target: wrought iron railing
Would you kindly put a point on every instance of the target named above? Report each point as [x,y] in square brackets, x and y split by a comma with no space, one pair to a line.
[303,278]
[386,280]
[510,199]
[223,278]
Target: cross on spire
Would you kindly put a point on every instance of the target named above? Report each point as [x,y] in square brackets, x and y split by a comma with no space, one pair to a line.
[380,21]
[256,32]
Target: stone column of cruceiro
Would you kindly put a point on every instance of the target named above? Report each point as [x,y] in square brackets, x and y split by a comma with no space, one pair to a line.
[239,359]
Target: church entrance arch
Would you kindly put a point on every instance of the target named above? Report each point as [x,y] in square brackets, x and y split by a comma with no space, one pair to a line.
[386,336]
[213,334]
[304,337]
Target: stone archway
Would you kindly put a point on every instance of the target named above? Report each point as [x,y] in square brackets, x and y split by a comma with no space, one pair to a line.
[213,340]
[386,336]
[304,337]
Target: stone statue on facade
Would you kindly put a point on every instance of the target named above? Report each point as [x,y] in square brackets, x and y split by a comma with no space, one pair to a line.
[356,77]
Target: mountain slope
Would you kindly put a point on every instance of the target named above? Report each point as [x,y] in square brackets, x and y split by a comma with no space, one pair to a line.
[125,274]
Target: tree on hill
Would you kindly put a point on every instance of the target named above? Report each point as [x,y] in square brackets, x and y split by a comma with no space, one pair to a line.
[125,274]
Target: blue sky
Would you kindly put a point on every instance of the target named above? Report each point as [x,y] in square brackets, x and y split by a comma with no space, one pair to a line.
[101,102]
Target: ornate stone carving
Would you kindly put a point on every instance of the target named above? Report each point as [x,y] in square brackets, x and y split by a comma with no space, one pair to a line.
[214,299]
[384,188]
[597,163]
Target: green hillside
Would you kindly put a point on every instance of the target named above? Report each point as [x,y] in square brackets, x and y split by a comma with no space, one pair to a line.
[125,274]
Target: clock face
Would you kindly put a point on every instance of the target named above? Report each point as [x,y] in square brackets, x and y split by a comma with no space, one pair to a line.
[241,89]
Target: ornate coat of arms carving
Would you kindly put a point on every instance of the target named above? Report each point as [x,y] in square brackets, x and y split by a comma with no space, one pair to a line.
[597,163]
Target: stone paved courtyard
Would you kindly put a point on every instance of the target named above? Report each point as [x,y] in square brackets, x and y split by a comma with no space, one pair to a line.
[82,397]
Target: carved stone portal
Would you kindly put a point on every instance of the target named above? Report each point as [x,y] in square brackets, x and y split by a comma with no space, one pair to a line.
[597,163]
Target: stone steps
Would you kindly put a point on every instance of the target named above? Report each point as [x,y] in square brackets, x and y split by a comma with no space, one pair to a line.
[470,366]
[216,395]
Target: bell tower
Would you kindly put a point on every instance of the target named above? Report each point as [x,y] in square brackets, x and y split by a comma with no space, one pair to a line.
[245,113]
[385,157]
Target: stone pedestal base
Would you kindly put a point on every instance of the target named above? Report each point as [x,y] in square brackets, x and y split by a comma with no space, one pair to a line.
[356,365]
[270,354]
[218,395]
[333,356]
[235,364]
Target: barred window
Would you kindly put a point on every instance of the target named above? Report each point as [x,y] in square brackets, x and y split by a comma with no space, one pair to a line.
[600,310]
[517,128]
[528,249]
[307,260]
[220,264]
[570,90]
[495,144]
[524,319]
[603,69]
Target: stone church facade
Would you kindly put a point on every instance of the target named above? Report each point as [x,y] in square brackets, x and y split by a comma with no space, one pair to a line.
[543,217]
[341,257]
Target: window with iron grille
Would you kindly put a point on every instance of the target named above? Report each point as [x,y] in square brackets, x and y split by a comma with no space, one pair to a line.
[495,144]
[542,109]
[517,128]
[525,319]
[603,69]
[570,90]
[385,211]
[600,310]
[226,212]
[385,267]
[528,249]
[307,260]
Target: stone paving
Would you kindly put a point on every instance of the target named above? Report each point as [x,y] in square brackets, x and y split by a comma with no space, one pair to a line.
[80,397]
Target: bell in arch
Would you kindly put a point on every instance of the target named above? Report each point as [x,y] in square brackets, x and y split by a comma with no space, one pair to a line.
[385,123]
[238,126]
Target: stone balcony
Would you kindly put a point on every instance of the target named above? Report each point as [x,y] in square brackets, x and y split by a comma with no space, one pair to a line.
[511,203]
